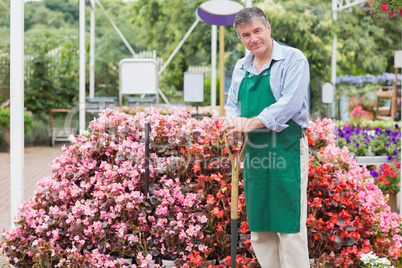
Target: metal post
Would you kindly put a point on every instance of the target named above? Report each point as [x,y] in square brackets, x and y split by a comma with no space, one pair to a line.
[82,67]
[179,46]
[116,29]
[222,68]
[147,131]
[92,52]
[16,106]
[214,40]
[333,59]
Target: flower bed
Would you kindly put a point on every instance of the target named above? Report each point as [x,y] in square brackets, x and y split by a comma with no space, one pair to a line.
[91,211]
[365,140]
[348,215]
[170,109]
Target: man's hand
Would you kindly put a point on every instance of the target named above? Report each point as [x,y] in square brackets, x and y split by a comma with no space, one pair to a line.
[238,125]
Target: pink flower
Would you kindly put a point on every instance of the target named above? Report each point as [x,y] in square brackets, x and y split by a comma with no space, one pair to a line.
[384,7]
[400,12]
[369,2]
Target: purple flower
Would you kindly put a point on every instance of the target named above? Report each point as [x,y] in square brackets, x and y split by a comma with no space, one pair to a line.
[374,173]
[389,158]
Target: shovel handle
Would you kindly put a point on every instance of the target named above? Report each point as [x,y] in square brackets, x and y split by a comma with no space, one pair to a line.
[234,214]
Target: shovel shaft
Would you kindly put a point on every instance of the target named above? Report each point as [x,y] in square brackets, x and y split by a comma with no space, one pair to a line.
[233,246]
[234,195]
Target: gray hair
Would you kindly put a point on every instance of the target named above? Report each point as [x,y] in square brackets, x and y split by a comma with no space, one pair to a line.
[246,15]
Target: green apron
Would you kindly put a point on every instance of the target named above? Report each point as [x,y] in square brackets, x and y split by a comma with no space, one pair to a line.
[271,164]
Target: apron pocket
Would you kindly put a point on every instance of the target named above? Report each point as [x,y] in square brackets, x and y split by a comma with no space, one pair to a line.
[273,204]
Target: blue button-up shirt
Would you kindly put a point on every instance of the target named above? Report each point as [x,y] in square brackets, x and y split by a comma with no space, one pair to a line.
[290,76]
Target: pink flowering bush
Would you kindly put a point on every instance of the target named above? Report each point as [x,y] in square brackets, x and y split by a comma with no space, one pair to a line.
[92,211]
[348,214]
[170,109]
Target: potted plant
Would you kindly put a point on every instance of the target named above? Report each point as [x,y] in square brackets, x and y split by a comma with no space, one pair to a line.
[5,121]
[361,108]
[387,178]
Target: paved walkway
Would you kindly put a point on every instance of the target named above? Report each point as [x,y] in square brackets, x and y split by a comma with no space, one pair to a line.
[37,166]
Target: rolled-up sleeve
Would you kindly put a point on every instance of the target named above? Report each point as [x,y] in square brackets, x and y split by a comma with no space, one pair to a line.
[232,106]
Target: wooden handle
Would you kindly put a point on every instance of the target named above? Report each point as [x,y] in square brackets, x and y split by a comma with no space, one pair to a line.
[235,178]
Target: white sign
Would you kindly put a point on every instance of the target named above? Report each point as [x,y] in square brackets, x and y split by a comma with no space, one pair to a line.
[193,87]
[398,59]
[137,76]
[222,7]
[219,12]
[327,93]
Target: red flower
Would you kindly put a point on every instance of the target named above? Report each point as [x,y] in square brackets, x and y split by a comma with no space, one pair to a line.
[317,202]
[218,213]
[332,238]
[344,214]
[196,167]
[400,12]
[385,166]
[210,199]
[369,2]
[386,182]
[219,195]
[243,228]
[227,260]
[384,7]
[196,258]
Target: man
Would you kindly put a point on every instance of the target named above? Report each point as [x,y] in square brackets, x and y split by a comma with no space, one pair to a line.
[268,100]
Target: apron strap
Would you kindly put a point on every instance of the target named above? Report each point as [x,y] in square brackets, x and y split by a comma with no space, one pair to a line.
[247,75]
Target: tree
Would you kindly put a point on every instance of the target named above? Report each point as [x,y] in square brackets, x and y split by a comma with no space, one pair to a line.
[165,24]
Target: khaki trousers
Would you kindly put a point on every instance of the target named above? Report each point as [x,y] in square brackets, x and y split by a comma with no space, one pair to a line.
[283,250]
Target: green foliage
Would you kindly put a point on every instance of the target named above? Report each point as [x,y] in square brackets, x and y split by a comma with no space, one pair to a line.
[305,25]
[53,81]
[167,22]
[4,74]
[38,132]
[364,44]
[5,119]
[68,9]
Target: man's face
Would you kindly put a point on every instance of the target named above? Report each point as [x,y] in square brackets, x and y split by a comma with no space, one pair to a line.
[255,36]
